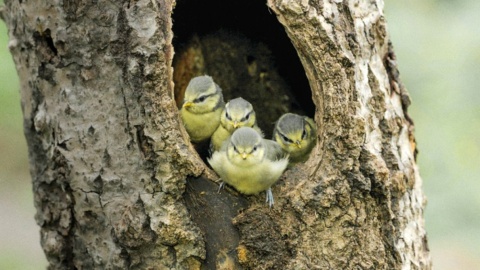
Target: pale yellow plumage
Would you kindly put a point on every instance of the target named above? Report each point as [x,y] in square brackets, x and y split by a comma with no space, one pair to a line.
[249,163]
[202,107]
[237,113]
[297,135]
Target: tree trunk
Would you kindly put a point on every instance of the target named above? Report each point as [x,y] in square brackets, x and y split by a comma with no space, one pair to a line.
[117,183]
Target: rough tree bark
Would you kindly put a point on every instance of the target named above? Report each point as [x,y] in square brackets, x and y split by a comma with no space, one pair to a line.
[118,185]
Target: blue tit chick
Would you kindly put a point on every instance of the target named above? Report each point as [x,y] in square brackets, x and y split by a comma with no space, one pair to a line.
[237,113]
[297,135]
[250,163]
[202,106]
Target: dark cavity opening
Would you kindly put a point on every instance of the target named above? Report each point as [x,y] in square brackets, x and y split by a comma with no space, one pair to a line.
[242,45]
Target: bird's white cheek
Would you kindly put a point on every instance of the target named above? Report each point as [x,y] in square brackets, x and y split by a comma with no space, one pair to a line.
[256,158]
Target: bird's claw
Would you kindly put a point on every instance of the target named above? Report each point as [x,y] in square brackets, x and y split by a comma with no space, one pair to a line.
[270,199]
[222,184]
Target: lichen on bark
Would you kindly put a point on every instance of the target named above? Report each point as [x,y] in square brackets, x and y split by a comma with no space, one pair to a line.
[108,157]
[360,174]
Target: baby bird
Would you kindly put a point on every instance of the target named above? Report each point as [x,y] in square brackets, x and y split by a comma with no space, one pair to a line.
[297,135]
[249,163]
[202,107]
[237,113]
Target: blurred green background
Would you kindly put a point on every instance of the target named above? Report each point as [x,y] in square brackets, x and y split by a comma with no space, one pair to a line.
[437,43]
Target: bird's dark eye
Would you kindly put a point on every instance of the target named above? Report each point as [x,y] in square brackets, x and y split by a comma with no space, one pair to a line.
[235,149]
[245,118]
[228,115]
[286,139]
[202,98]
[255,148]
[304,134]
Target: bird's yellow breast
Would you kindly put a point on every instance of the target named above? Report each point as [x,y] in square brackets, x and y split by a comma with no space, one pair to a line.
[248,179]
[219,137]
[200,126]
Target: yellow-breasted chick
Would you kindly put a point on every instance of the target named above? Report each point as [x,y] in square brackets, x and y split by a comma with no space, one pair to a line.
[237,113]
[202,106]
[297,135]
[249,163]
